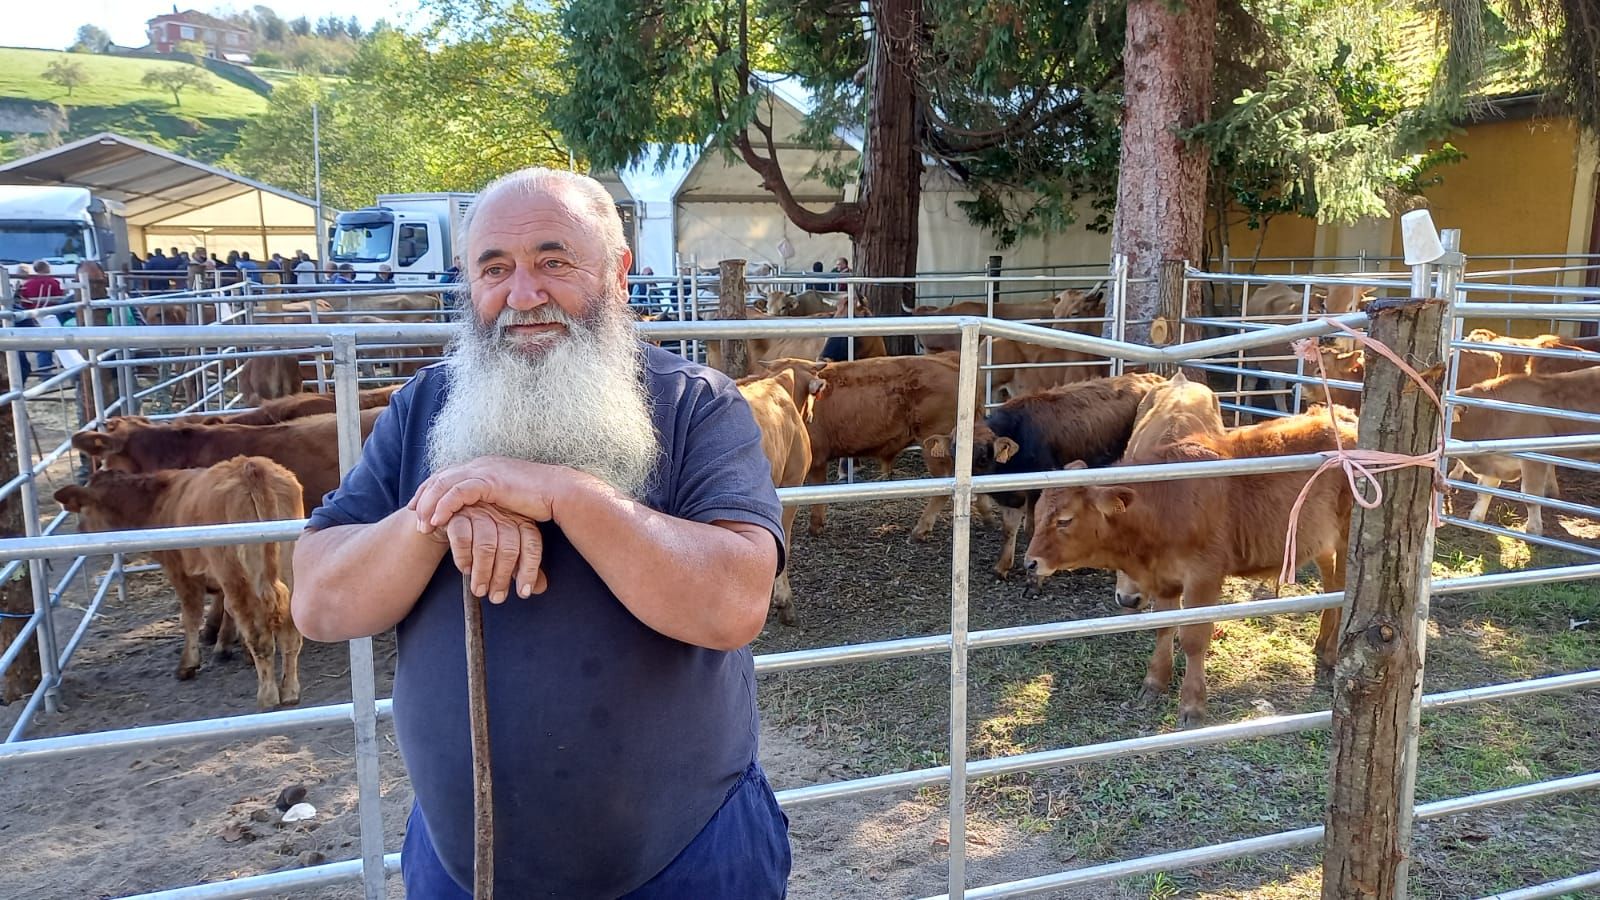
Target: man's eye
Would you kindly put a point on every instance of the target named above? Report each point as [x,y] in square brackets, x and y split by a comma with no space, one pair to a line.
[555,263]
[494,271]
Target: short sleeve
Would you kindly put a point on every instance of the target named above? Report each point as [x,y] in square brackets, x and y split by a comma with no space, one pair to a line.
[370,490]
[724,474]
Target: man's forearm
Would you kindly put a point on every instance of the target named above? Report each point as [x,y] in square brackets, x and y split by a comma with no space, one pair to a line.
[353,581]
[701,584]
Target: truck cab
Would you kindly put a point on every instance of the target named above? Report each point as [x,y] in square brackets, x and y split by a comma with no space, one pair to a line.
[62,226]
[415,235]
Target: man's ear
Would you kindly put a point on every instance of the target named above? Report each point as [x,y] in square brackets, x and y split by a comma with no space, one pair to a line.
[1004,449]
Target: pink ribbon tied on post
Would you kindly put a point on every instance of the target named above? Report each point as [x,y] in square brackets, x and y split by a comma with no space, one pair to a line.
[1360,465]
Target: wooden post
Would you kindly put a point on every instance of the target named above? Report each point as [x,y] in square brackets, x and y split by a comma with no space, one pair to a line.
[730,305]
[1388,576]
[1172,304]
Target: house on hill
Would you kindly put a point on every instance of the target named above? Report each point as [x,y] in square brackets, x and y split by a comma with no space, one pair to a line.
[222,40]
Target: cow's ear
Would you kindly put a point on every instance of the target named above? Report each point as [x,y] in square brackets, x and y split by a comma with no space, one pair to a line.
[1075,464]
[1004,449]
[1178,378]
[96,443]
[936,446]
[1112,501]
[72,497]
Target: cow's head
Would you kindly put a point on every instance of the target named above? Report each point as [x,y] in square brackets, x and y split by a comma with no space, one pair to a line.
[94,502]
[1080,304]
[108,449]
[1070,524]
[1129,595]
[782,303]
[809,385]
[1345,298]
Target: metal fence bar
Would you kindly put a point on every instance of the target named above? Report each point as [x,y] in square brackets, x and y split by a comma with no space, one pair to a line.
[1519,497]
[1551,888]
[288,881]
[363,679]
[1541,540]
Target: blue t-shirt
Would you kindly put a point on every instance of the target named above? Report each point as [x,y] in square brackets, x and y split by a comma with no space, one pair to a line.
[613,744]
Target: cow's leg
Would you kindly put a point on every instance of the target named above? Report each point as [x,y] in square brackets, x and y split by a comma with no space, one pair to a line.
[1331,567]
[214,614]
[1158,675]
[938,467]
[227,634]
[1535,479]
[984,508]
[782,594]
[289,642]
[1480,510]
[1196,643]
[191,610]
[818,512]
[252,616]
[1012,518]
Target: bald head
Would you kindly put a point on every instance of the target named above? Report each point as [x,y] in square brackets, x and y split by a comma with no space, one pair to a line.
[579,196]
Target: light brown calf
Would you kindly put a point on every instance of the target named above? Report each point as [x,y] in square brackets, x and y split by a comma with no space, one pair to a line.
[1577,391]
[1179,539]
[1046,367]
[942,343]
[265,378]
[804,348]
[776,401]
[250,577]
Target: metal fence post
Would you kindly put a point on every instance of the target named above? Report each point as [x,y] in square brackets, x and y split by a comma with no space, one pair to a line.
[991,296]
[363,680]
[961,545]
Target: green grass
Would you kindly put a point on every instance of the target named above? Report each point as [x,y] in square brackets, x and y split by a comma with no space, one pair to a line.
[115,81]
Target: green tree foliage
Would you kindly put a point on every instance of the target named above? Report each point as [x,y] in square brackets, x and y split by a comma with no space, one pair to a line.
[178,79]
[66,73]
[91,39]
[407,119]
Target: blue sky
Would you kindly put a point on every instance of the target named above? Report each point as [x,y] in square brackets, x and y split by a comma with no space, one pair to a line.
[53,26]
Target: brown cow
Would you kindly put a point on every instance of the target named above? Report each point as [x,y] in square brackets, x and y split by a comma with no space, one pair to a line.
[1178,539]
[806,348]
[940,343]
[295,406]
[776,401]
[308,447]
[263,378]
[1514,363]
[805,303]
[877,408]
[1041,432]
[250,577]
[1040,367]
[1577,391]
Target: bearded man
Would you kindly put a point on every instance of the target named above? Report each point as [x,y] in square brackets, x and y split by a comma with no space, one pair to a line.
[613,504]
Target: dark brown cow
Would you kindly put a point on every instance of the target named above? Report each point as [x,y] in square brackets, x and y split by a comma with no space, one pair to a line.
[1179,539]
[1041,432]
[777,401]
[250,577]
[308,447]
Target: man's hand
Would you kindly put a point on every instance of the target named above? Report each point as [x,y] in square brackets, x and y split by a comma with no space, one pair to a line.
[519,487]
[492,547]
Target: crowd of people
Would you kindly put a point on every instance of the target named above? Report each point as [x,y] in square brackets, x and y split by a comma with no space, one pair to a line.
[650,295]
[161,272]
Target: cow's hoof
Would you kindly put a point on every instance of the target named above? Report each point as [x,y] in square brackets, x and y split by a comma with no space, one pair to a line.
[1004,574]
[1192,717]
[1149,693]
[267,697]
[787,617]
[921,537]
[208,635]
[187,672]
[222,654]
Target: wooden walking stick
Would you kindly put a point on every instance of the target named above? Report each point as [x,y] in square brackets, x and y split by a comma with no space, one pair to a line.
[482,776]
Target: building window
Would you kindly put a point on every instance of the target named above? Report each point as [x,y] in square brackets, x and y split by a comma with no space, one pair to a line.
[185,33]
[211,36]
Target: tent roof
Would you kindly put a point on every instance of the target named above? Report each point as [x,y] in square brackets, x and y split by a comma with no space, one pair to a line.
[152,184]
[712,178]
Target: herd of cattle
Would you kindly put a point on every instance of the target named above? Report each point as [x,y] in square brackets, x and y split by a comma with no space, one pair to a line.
[1172,543]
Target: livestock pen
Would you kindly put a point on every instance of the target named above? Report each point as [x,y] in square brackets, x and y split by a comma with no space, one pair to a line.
[840,695]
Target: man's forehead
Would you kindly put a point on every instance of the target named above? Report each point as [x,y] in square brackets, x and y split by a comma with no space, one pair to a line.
[530,213]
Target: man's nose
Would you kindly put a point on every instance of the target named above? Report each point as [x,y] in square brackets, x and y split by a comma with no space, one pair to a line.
[526,291]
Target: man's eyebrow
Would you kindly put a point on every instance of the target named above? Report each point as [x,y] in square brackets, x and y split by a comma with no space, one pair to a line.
[555,245]
[489,254]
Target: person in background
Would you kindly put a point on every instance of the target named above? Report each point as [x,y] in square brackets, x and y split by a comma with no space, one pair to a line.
[385,275]
[452,275]
[821,284]
[344,274]
[305,271]
[39,290]
[248,267]
[841,266]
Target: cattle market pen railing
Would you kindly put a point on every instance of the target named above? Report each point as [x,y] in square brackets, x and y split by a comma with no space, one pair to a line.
[365,708]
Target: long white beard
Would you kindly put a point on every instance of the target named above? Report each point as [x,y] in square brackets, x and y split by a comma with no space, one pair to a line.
[577,400]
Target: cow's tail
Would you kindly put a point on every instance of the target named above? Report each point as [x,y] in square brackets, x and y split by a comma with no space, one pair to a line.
[267,493]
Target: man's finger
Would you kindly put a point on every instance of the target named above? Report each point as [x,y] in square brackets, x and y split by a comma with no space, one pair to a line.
[507,550]
[459,531]
[484,545]
[529,579]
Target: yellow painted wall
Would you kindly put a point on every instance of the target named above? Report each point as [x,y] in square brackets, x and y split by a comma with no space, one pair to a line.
[1285,236]
[1513,193]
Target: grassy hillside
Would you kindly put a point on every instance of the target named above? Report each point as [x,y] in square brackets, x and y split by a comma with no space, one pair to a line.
[114,98]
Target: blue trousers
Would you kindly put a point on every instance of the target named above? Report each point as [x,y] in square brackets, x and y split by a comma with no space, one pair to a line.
[741,854]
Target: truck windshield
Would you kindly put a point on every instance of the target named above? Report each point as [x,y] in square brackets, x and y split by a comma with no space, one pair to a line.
[53,242]
[364,243]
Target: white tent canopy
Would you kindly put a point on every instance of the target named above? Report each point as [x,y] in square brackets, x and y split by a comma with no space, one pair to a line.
[171,200]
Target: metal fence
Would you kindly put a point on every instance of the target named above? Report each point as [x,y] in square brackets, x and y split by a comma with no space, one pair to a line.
[342,342]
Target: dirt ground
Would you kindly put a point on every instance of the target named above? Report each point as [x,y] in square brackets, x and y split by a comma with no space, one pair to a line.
[113,824]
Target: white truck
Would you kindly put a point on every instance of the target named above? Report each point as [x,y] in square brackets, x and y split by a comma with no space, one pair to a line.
[416,235]
[61,225]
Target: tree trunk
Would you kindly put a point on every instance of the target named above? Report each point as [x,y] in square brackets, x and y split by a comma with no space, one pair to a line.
[730,305]
[1368,838]
[1161,185]
[16,595]
[891,179]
